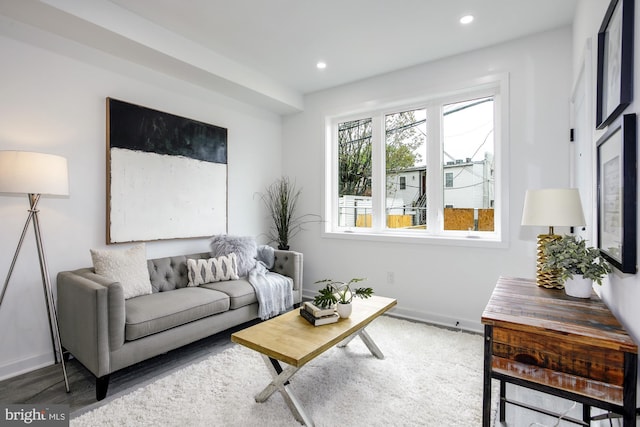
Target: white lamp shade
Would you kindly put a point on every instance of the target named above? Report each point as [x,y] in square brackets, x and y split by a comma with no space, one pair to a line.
[553,207]
[24,172]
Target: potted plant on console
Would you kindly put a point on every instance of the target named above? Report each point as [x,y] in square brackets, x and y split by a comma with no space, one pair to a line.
[569,256]
[340,294]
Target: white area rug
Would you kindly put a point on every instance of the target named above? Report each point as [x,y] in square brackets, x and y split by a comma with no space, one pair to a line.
[430,377]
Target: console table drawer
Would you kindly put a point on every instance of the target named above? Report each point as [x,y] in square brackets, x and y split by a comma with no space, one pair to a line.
[560,355]
[503,368]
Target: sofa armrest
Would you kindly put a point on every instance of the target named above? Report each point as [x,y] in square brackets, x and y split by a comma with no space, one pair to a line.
[289,263]
[91,317]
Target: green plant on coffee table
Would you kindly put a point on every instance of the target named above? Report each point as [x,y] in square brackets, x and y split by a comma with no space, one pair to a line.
[570,255]
[341,292]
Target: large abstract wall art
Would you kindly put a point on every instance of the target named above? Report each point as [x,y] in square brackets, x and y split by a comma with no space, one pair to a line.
[166,175]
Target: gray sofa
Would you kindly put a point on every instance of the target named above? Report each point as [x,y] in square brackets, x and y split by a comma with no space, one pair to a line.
[106,333]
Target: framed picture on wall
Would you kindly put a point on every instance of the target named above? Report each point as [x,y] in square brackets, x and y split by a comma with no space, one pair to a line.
[615,62]
[166,175]
[617,176]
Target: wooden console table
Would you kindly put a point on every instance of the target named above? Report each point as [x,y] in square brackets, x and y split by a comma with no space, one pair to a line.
[568,347]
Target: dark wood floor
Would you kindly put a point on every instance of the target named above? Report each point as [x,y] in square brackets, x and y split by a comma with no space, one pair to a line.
[46,385]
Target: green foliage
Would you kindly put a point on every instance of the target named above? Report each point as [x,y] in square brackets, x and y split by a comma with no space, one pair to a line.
[335,292]
[354,158]
[570,255]
[355,150]
[403,138]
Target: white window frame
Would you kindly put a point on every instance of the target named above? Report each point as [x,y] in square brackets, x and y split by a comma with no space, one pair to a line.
[494,85]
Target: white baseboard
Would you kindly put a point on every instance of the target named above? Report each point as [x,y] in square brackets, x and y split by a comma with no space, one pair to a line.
[432,318]
[439,320]
[18,367]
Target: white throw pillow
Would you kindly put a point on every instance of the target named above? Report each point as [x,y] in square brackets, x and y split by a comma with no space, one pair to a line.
[129,267]
[201,271]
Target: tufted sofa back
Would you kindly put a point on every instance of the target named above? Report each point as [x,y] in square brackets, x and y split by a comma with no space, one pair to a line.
[170,273]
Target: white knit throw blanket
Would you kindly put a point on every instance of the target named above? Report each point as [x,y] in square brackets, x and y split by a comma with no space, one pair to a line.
[274,291]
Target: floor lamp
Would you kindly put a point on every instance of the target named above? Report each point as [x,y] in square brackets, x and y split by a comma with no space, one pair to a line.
[36,174]
[551,207]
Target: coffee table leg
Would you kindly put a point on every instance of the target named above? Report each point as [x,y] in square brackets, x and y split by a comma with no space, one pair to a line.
[280,383]
[373,348]
[368,341]
[347,340]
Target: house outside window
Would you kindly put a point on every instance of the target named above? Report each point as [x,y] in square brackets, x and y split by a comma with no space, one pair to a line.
[427,170]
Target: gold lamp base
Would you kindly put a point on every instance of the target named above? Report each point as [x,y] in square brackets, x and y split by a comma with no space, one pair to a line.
[547,279]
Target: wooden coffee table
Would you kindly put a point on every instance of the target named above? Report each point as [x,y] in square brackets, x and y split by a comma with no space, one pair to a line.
[289,338]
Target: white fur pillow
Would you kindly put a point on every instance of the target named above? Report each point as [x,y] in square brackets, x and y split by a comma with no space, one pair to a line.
[201,271]
[129,267]
[245,248]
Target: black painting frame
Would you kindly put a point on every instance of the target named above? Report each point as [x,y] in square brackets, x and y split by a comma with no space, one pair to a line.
[617,184]
[615,62]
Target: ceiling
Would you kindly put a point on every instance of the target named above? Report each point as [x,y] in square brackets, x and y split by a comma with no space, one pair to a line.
[270,48]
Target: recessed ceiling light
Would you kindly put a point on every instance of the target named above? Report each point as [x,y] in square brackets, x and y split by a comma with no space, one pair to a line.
[467,19]
[321,65]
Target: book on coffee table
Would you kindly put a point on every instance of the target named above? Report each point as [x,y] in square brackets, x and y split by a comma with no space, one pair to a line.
[318,311]
[317,321]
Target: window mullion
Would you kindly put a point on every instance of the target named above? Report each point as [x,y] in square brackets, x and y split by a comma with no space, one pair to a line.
[435,218]
[331,205]
[378,173]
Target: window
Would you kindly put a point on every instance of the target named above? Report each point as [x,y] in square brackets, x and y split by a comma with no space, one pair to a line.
[354,173]
[448,179]
[467,131]
[405,156]
[426,170]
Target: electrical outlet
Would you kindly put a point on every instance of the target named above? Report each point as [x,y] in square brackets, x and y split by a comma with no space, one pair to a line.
[391,277]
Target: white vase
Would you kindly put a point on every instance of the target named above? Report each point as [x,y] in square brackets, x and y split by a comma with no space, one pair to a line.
[578,287]
[344,310]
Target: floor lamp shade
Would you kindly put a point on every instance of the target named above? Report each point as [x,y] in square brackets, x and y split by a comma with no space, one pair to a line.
[549,208]
[25,172]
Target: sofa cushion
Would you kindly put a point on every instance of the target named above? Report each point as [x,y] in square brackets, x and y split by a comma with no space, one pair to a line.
[240,292]
[245,248]
[129,267]
[210,270]
[149,314]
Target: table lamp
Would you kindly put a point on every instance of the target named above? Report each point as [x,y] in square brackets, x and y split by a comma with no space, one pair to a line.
[36,174]
[552,207]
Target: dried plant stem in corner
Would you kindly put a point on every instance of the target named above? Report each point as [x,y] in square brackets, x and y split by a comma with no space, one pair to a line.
[281,200]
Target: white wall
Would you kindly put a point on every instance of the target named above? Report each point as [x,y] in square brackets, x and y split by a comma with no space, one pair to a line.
[621,292]
[55,104]
[434,282]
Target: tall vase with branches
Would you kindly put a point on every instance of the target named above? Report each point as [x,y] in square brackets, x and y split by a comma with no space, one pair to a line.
[281,201]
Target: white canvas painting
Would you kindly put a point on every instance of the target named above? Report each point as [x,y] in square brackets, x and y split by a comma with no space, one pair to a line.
[158,196]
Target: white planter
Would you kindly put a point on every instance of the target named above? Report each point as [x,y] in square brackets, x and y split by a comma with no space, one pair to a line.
[344,310]
[578,287]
